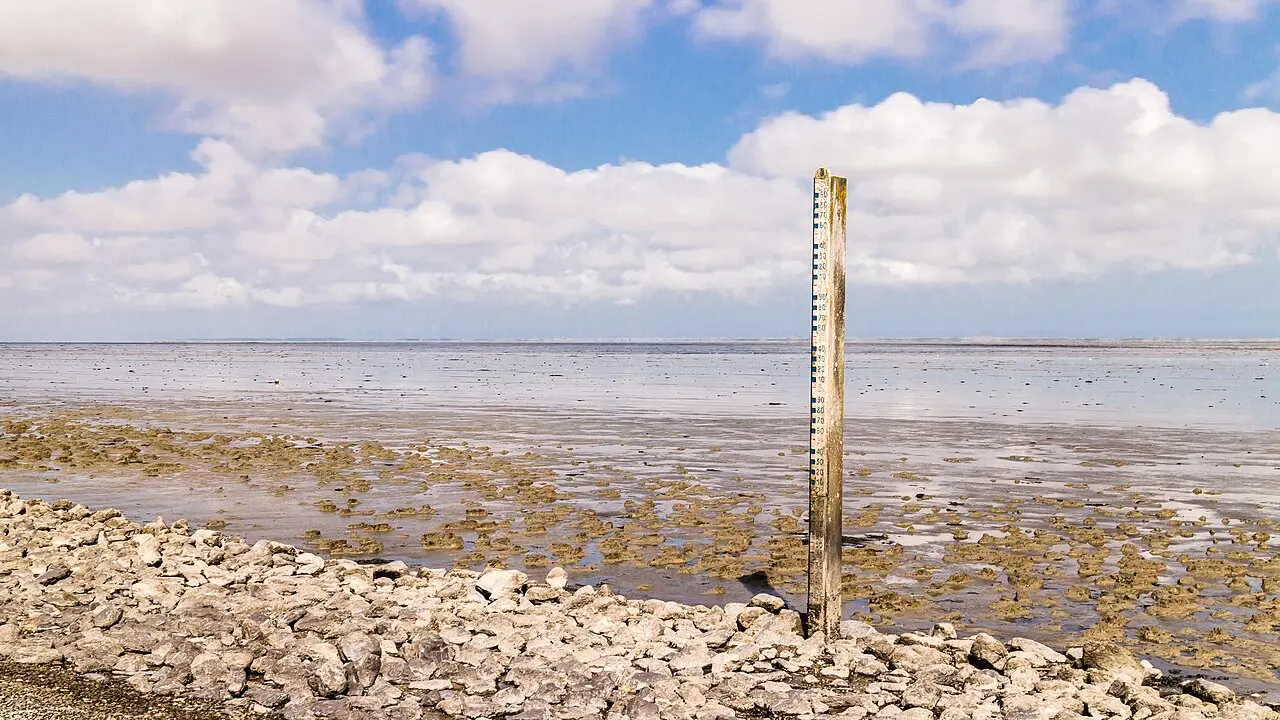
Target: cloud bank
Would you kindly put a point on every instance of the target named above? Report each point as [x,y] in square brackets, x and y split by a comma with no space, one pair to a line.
[996,32]
[270,77]
[1005,192]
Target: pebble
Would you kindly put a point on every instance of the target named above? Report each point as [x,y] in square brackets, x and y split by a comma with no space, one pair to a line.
[268,630]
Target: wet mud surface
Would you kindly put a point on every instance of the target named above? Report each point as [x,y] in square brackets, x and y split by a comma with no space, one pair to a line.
[1053,532]
[1109,524]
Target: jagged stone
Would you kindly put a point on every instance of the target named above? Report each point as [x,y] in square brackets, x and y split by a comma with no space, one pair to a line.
[986,651]
[1208,691]
[1106,662]
[282,632]
[557,578]
[106,617]
[1046,654]
[500,583]
[772,603]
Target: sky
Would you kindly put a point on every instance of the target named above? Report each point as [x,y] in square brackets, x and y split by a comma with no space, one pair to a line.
[512,169]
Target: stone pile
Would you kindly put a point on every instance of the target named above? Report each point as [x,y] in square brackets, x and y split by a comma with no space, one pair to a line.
[272,630]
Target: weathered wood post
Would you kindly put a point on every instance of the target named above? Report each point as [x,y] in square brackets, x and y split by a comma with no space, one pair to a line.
[826,405]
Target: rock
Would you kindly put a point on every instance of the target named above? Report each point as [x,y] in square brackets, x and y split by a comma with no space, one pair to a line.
[542,593]
[1208,691]
[771,603]
[278,632]
[882,646]
[867,665]
[640,709]
[54,574]
[929,641]
[106,617]
[915,657]
[267,697]
[748,617]
[783,628]
[330,678]
[943,675]
[1101,704]
[921,694]
[309,564]
[1022,678]
[1106,662]
[500,583]
[1246,710]
[557,578]
[986,651]
[148,549]
[365,655]
[790,703]
[855,629]
[455,635]
[393,570]
[1140,698]
[1046,654]
[944,631]
[209,671]
[695,655]
[1028,707]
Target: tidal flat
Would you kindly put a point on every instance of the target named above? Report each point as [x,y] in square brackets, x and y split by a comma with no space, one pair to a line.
[1123,492]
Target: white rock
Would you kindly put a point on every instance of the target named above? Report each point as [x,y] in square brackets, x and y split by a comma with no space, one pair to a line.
[148,549]
[1208,691]
[854,629]
[1045,652]
[695,655]
[557,578]
[772,603]
[309,564]
[499,583]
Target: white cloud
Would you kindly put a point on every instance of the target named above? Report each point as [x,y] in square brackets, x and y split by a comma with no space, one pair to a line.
[1024,189]
[1223,10]
[775,91]
[53,248]
[996,32]
[230,186]
[1107,180]
[1266,90]
[273,76]
[513,47]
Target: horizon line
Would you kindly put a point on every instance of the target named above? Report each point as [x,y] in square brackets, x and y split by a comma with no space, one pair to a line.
[957,340]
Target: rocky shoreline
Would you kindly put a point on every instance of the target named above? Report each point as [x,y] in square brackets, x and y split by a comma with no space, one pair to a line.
[270,630]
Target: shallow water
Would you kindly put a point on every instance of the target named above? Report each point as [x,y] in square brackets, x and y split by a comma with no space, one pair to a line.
[1169,384]
[940,438]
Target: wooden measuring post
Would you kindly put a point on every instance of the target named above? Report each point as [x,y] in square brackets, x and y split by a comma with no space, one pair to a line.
[826,405]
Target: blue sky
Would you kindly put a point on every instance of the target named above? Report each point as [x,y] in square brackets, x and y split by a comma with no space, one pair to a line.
[636,168]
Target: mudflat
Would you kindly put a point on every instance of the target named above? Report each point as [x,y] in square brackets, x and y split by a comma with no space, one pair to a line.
[1117,493]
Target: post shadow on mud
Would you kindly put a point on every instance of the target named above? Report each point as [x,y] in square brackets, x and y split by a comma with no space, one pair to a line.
[758,581]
